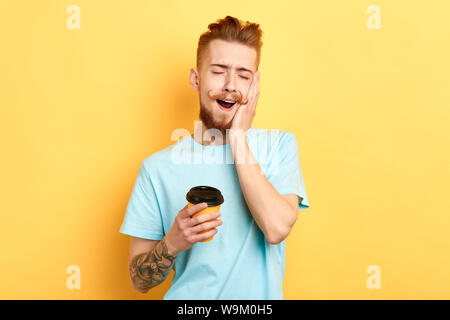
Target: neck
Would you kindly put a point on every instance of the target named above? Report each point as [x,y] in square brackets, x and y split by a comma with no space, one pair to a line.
[203,137]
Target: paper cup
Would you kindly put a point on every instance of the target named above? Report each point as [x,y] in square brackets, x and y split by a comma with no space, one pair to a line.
[212,196]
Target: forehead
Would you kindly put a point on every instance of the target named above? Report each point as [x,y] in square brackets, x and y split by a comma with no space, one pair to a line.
[231,53]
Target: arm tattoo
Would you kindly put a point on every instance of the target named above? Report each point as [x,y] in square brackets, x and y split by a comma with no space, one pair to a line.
[149,269]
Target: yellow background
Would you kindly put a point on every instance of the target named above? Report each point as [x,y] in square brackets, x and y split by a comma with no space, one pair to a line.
[80,110]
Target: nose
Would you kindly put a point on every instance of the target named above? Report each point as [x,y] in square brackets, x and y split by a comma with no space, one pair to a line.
[230,85]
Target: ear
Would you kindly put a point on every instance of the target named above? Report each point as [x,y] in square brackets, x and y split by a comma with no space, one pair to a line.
[194,78]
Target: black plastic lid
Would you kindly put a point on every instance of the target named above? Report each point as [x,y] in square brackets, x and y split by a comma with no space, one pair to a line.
[212,196]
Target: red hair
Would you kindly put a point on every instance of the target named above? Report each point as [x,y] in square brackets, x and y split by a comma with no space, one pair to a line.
[233,30]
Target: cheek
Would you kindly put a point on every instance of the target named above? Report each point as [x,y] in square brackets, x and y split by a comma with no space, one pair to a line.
[244,87]
[212,87]
[215,83]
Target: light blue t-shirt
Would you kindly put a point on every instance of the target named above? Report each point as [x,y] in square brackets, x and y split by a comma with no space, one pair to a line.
[238,263]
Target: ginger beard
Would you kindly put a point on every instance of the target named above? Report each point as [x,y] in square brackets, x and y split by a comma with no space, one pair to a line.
[207,115]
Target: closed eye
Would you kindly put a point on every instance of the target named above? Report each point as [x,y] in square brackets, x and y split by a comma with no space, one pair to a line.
[222,72]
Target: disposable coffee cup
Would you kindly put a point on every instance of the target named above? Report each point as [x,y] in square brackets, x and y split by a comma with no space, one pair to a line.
[212,196]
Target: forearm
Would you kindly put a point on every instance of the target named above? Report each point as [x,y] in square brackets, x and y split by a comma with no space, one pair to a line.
[149,269]
[270,210]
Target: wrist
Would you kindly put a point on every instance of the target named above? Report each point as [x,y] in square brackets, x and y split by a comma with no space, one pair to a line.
[237,133]
[171,250]
[237,137]
[239,148]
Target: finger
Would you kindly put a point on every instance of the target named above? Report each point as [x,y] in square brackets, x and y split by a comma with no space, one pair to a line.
[205,226]
[256,92]
[251,93]
[187,212]
[203,236]
[204,217]
[248,96]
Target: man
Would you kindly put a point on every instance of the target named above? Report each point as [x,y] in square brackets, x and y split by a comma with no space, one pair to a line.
[262,188]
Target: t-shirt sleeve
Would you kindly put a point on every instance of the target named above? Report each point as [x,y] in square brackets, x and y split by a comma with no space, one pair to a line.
[285,173]
[143,216]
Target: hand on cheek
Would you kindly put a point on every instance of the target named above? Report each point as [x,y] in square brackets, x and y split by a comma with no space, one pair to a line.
[246,111]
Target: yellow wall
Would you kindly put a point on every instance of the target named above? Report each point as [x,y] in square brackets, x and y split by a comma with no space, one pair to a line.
[81,108]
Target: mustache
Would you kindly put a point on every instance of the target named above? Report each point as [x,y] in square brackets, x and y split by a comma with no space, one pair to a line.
[223,96]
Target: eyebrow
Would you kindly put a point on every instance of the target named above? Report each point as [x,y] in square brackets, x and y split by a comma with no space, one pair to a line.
[226,67]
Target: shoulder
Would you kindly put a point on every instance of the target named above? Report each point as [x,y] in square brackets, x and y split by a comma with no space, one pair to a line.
[275,137]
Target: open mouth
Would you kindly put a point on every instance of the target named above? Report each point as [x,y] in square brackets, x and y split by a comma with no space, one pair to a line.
[226,104]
